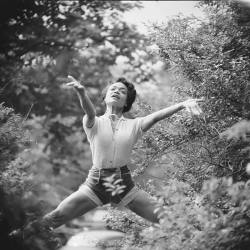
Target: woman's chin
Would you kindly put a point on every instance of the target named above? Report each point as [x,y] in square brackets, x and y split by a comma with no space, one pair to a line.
[114,103]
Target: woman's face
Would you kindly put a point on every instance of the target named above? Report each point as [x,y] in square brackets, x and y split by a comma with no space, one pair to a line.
[116,95]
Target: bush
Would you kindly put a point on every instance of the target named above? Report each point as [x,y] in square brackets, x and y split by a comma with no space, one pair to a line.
[206,200]
[18,199]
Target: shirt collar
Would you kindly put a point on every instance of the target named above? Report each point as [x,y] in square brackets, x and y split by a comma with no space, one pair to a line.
[122,118]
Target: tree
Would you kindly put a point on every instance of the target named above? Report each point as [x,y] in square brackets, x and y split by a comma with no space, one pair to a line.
[18,200]
[43,40]
[218,68]
[201,211]
[42,43]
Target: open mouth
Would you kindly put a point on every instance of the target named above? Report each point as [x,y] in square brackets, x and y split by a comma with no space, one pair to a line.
[115,96]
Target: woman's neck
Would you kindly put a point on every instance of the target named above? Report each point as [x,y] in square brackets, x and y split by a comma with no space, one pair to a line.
[114,111]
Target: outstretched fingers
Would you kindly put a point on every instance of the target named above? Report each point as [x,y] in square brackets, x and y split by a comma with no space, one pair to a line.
[71,84]
[199,99]
[193,107]
[72,78]
[199,109]
[188,108]
[196,110]
[68,85]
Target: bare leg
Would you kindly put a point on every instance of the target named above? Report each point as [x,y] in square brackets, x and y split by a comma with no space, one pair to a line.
[73,206]
[143,205]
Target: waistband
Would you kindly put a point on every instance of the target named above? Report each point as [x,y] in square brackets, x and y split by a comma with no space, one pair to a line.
[123,169]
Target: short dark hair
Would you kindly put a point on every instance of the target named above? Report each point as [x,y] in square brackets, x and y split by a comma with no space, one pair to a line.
[131,94]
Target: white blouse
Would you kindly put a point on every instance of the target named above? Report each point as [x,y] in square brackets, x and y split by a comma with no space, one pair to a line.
[112,149]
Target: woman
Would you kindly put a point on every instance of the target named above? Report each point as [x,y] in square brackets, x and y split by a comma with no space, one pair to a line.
[112,137]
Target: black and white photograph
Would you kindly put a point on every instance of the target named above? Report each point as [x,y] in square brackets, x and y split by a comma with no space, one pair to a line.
[124,125]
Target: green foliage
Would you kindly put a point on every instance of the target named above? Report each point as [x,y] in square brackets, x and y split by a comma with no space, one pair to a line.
[214,55]
[215,218]
[50,27]
[205,201]
[17,187]
[238,131]
[43,42]
[206,222]
[225,223]
[12,136]
[113,185]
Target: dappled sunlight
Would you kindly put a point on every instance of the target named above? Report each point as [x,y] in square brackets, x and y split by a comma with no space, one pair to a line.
[125,125]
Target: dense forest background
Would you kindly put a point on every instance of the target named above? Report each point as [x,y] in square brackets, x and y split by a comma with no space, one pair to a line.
[195,167]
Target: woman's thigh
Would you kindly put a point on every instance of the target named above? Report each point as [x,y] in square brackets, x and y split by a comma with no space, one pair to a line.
[144,205]
[76,204]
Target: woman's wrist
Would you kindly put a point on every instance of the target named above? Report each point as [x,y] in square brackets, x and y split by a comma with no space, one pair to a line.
[181,105]
[81,91]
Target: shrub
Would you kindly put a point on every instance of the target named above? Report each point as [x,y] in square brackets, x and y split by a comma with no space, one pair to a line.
[17,188]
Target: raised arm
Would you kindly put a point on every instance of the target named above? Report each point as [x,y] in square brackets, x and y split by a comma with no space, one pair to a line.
[191,106]
[85,101]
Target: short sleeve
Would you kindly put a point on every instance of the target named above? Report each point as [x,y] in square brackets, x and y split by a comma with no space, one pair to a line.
[138,132]
[90,132]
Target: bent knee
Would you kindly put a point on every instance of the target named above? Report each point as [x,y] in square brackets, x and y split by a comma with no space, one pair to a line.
[57,213]
[56,218]
[154,219]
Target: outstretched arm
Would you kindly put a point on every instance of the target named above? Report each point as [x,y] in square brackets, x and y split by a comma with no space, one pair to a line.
[85,101]
[191,106]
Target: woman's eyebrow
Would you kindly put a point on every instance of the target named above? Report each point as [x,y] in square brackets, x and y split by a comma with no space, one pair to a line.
[122,88]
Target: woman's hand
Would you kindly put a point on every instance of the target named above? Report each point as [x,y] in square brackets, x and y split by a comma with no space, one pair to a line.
[192,106]
[75,84]
[85,102]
